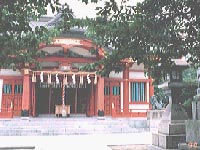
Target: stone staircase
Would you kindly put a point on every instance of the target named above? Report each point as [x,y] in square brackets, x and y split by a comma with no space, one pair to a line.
[73,125]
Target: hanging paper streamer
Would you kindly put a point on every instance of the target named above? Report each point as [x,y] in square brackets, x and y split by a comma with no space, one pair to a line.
[33,77]
[88,79]
[74,79]
[95,79]
[49,79]
[41,77]
[65,80]
[57,80]
[81,79]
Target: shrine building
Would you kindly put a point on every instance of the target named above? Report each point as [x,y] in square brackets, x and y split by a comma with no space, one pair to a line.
[32,92]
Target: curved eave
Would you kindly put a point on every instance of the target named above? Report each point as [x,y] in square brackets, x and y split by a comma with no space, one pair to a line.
[67,60]
[67,43]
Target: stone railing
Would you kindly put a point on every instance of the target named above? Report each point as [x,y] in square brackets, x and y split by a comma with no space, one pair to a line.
[154,117]
[154,114]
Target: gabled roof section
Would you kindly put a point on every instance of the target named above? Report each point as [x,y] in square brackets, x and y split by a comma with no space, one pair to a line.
[72,47]
[72,43]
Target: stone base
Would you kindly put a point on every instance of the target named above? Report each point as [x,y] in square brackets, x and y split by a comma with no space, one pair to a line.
[185,146]
[152,147]
[167,141]
[170,134]
[171,128]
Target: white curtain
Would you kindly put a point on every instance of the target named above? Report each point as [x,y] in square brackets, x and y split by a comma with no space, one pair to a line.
[1,87]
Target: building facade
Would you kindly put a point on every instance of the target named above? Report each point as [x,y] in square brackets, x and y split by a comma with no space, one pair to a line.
[31,92]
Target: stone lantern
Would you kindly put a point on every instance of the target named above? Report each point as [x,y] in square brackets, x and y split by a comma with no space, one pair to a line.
[171,130]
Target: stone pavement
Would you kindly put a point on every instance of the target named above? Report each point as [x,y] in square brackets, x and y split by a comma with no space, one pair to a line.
[79,142]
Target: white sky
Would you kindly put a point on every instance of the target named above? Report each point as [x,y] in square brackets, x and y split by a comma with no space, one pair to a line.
[81,10]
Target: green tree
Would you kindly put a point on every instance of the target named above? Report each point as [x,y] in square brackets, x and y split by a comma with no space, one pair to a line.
[18,41]
[153,32]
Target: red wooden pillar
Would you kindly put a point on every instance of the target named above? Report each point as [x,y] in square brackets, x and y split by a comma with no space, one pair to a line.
[151,88]
[96,100]
[33,100]
[100,94]
[26,94]
[151,91]
[126,89]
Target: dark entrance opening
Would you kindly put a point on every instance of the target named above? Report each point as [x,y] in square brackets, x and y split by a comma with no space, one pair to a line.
[49,95]
[78,99]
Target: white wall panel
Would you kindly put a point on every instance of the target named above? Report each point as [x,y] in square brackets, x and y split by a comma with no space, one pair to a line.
[116,75]
[138,106]
[9,72]
[137,75]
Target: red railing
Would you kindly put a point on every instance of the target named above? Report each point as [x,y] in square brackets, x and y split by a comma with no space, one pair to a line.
[6,113]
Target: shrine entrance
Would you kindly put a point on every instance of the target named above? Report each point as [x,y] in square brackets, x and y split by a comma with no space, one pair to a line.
[49,95]
[78,99]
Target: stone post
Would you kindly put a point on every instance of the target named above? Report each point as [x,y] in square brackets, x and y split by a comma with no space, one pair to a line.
[196,108]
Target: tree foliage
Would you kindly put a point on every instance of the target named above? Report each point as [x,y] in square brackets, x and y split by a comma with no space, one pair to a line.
[19,41]
[153,32]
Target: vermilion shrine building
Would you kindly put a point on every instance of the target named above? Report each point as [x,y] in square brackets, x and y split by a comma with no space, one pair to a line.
[31,92]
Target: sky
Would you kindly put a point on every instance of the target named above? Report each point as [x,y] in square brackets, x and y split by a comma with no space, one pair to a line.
[81,10]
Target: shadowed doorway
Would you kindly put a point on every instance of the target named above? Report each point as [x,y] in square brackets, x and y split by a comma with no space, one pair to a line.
[47,96]
[78,98]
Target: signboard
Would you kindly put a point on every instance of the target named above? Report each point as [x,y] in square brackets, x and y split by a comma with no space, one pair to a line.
[67,41]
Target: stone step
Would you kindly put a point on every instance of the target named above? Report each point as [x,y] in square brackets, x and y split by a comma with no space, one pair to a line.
[68,126]
[68,131]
